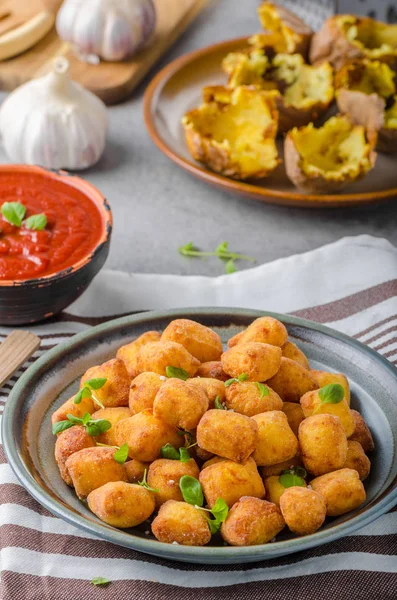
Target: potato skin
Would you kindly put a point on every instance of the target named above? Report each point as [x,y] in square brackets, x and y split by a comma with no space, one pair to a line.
[91,468]
[276,440]
[292,381]
[230,480]
[180,404]
[130,352]
[357,459]
[259,361]
[143,390]
[121,504]
[135,470]
[311,404]
[342,490]
[200,341]
[323,444]
[362,433]
[245,398]
[69,441]
[181,523]
[291,351]
[227,434]
[252,521]
[212,387]
[165,474]
[294,414]
[266,330]
[157,356]
[145,435]
[70,408]
[304,510]
[114,415]
[212,369]
[116,389]
[324,378]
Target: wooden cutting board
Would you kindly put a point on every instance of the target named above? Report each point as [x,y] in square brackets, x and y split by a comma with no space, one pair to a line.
[113,82]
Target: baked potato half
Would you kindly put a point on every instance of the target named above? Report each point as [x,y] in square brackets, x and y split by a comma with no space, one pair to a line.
[284,31]
[328,158]
[306,92]
[367,94]
[233,132]
[343,38]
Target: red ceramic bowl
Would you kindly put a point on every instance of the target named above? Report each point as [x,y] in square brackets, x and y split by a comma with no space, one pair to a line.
[32,300]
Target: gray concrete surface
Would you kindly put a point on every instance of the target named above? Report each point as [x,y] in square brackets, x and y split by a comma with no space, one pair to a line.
[157,206]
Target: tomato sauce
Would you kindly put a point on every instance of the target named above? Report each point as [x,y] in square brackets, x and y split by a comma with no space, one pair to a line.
[74,227]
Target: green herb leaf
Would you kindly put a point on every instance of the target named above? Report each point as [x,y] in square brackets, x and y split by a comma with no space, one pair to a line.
[96,427]
[292,477]
[86,418]
[184,455]
[36,222]
[97,383]
[243,377]
[300,471]
[214,525]
[177,373]
[188,435]
[86,392]
[230,267]
[77,420]
[222,248]
[168,451]
[100,581]
[218,403]
[230,381]
[333,393]
[289,480]
[61,426]
[191,490]
[222,252]
[13,212]
[78,397]
[220,510]
[121,454]
[263,390]
[145,484]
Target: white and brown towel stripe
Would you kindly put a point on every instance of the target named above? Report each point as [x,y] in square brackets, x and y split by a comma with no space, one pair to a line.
[350,285]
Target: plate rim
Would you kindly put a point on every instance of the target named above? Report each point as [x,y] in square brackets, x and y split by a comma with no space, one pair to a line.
[263,194]
[206,554]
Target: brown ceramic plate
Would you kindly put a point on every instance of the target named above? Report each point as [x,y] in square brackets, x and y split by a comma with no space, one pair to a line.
[177,89]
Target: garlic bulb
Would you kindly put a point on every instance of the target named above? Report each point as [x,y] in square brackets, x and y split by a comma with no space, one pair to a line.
[110,29]
[54,122]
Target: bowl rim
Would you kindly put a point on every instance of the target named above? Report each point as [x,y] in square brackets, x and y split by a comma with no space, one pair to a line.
[205,554]
[93,194]
[263,194]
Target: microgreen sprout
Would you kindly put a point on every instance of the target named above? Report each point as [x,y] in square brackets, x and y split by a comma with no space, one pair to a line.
[121,454]
[222,252]
[218,403]
[93,427]
[333,393]
[145,484]
[14,213]
[88,390]
[193,494]
[295,476]
[263,390]
[177,373]
[239,379]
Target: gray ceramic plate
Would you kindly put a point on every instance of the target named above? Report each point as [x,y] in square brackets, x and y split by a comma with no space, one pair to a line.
[29,444]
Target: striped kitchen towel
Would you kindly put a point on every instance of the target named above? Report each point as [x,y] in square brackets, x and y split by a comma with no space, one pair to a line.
[350,285]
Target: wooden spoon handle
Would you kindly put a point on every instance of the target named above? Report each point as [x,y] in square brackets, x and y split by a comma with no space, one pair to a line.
[14,351]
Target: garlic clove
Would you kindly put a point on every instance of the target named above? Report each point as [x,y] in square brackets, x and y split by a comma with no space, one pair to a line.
[54,122]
